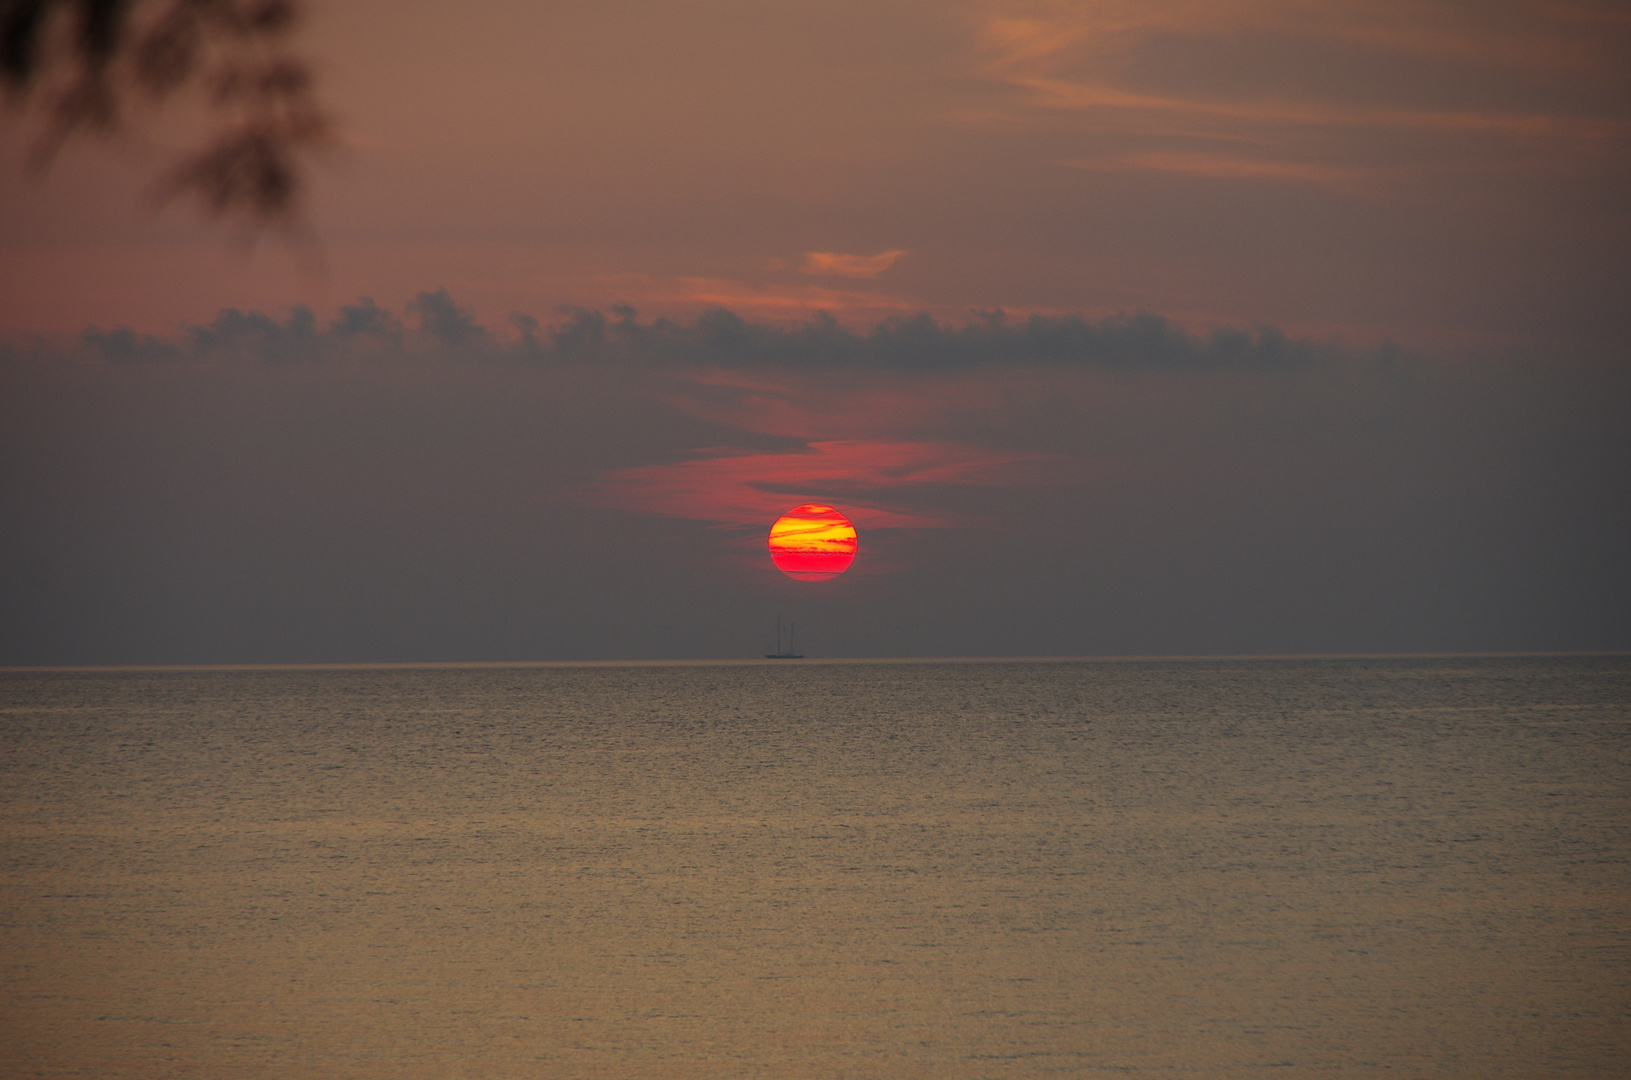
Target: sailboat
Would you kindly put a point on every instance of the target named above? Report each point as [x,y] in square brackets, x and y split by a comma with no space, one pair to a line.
[792,653]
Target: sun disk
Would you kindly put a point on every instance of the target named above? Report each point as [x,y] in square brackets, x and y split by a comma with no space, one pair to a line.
[812,542]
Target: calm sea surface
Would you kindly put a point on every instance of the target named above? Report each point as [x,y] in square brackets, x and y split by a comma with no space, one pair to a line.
[1283,868]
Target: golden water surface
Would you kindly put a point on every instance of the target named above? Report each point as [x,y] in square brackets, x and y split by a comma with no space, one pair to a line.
[1289,868]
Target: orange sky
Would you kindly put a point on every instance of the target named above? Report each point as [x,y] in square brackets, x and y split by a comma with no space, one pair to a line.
[1434,173]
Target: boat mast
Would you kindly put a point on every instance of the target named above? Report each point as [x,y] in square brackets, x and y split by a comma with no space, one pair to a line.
[789,653]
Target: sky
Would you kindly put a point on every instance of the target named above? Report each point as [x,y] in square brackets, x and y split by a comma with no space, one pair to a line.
[1180,327]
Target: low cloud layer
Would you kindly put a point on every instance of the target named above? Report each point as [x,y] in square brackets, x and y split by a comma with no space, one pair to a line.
[434,325]
[414,485]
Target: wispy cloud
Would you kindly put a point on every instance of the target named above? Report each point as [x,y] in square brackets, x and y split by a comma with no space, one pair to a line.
[1534,36]
[1065,94]
[1327,90]
[855,266]
[1218,166]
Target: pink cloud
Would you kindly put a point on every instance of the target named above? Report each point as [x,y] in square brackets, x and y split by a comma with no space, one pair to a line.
[856,266]
[857,475]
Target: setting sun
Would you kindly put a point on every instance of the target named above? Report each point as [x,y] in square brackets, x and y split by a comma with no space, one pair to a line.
[812,542]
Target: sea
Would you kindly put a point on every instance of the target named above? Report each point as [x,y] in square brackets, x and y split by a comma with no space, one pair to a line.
[1285,868]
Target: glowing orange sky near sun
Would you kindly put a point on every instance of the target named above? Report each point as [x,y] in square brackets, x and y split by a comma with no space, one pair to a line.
[812,542]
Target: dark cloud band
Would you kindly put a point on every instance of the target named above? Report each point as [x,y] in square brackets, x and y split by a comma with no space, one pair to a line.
[435,325]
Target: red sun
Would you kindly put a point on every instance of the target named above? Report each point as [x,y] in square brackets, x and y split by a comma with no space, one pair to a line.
[812,542]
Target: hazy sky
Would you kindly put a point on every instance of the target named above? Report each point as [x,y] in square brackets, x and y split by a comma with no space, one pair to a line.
[1314,337]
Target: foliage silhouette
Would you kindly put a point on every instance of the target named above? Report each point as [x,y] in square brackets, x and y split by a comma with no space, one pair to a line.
[83,62]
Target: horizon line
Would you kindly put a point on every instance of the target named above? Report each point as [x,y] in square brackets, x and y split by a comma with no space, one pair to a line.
[1107,658]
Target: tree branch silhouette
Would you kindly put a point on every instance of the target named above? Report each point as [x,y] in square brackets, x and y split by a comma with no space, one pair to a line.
[83,62]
